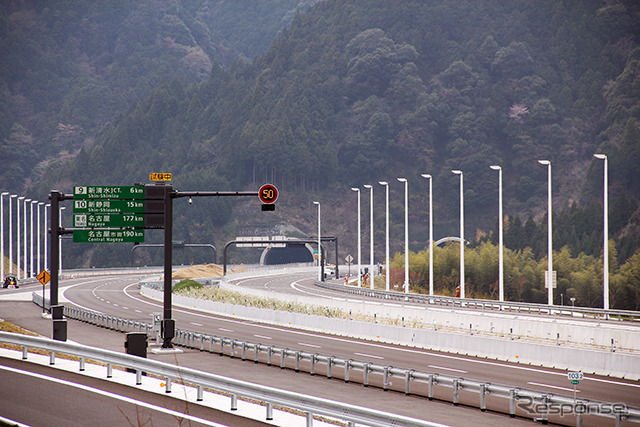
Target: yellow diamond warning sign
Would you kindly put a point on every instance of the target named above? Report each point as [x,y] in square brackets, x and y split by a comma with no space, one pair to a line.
[44,277]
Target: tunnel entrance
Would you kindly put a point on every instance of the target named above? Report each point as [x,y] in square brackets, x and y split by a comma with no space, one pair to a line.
[287,255]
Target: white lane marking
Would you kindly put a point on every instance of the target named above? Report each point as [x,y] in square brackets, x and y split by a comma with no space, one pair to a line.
[125,308]
[552,386]
[195,324]
[448,369]
[137,311]
[115,305]
[132,401]
[309,345]
[368,355]
[226,330]
[295,286]
[64,297]
[263,337]
[374,345]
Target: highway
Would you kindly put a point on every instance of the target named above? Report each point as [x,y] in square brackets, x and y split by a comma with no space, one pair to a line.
[89,401]
[540,379]
[119,296]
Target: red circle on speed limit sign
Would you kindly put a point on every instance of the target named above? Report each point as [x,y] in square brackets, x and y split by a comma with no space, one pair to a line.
[268,193]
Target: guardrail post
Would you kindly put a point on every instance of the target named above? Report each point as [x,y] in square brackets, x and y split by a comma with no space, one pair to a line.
[211,338]
[329,363]
[512,403]
[269,355]
[256,349]
[232,345]
[297,368]
[234,402]
[167,388]
[52,358]
[385,379]
[201,342]
[81,364]
[407,382]
[309,416]
[282,360]
[347,365]
[483,397]
[222,346]
[138,377]
[545,409]
[456,399]
[109,370]
[200,397]
[25,352]
[365,375]
[269,411]
[312,366]
[244,351]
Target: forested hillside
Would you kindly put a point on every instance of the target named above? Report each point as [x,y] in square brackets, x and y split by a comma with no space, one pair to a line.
[350,93]
[69,68]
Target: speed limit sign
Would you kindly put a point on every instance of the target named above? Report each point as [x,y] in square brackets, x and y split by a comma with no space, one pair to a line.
[268,193]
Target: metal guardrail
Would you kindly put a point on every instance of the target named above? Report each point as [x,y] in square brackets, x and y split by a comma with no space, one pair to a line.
[311,405]
[93,272]
[544,404]
[487,305]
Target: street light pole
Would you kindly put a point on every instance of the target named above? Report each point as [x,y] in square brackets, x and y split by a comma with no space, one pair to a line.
[386,268]
[605,249]
[31,269]
[39,237]
[60,243]
[427,176]
[406,234]
[20,199]
[459,172]
[46,236]
[2,230]
[371,259]
[549,275]
[11,233]
[25,253]
[357,190]
[500,235]
[319,245]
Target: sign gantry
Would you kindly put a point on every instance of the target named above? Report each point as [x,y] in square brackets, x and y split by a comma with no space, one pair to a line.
[111,214]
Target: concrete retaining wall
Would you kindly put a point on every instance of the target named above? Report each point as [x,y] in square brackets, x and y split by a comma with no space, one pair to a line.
[588,334]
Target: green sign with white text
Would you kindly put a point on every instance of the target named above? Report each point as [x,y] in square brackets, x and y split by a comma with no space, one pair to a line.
[101,220]
[108,236]
[108,192]
[108,206]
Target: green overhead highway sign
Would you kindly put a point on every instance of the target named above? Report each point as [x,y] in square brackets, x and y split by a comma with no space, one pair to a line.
[108,206]
[109,192]
[108,220]
[108,236]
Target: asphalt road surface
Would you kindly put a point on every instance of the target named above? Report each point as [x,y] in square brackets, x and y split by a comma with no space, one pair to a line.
[119,296]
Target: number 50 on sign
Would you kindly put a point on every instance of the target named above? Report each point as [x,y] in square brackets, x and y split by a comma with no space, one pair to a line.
[268,193]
